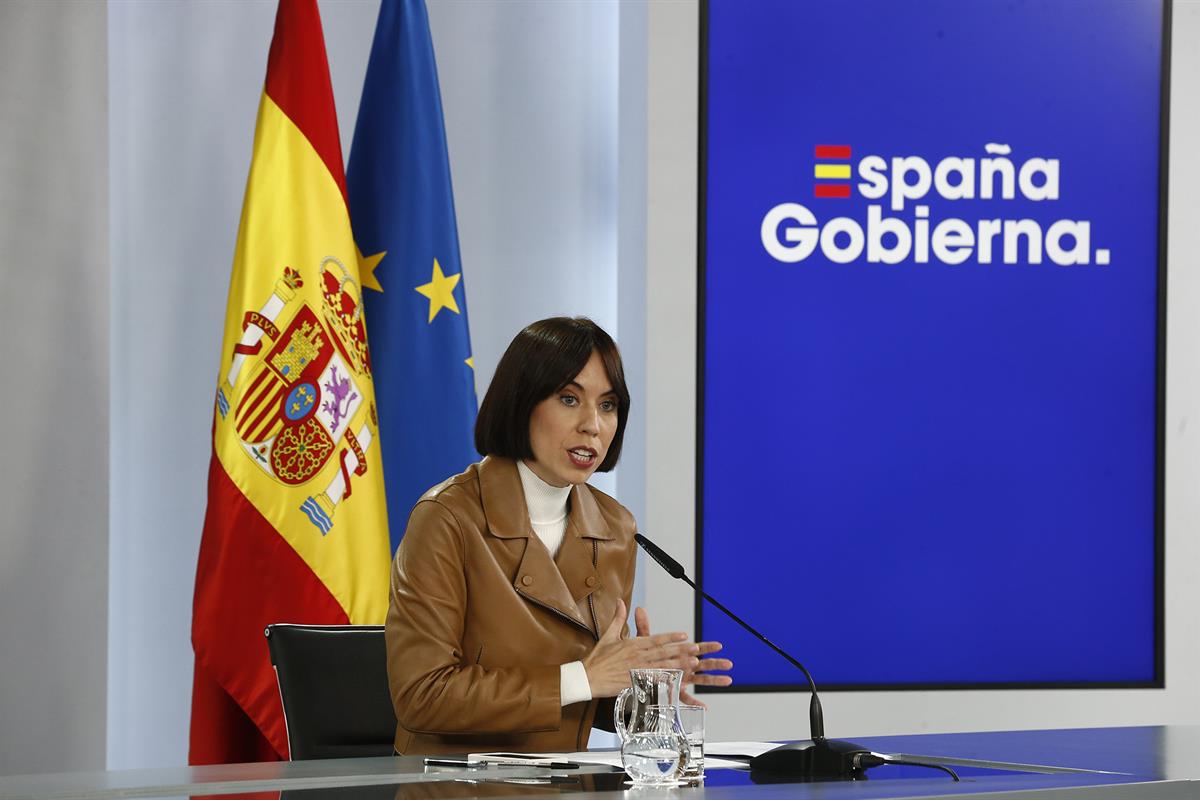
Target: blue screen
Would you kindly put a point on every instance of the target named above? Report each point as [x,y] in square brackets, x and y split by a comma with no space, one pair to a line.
[930,302]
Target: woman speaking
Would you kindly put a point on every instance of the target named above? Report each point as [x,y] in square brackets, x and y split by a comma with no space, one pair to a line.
[506,628]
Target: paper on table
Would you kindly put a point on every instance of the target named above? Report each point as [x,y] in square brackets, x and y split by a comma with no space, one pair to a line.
[612,758]
[745,749]
[518,759]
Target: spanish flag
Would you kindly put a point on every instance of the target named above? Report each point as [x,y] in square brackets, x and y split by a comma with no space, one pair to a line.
[296,529]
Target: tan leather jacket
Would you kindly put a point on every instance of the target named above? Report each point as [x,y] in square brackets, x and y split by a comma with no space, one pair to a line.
[482,616]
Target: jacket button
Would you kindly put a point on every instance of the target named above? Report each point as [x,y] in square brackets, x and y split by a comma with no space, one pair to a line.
[591,581]
[527,580]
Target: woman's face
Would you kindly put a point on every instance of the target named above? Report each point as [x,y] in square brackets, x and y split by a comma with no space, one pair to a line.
[570,431]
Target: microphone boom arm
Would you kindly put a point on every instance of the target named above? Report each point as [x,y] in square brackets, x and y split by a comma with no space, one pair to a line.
[819,758]
[816,716]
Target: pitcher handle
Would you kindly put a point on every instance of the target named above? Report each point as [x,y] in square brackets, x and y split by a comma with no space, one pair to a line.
[619,714]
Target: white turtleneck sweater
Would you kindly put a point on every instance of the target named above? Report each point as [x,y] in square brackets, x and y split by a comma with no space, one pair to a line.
[548,515]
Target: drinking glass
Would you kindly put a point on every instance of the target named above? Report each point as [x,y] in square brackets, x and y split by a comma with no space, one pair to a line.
[691,719]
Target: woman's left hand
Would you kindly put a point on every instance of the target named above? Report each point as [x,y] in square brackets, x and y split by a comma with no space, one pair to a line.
[698,676]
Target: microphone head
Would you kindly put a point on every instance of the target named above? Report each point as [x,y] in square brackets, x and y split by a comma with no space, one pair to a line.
[673,567]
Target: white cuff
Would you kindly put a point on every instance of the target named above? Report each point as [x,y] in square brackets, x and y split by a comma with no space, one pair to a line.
[573,684]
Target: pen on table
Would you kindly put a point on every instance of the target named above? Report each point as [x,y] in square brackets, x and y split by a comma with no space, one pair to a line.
[451,762]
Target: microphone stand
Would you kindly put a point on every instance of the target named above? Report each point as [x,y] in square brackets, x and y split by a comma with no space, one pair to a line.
[817,759]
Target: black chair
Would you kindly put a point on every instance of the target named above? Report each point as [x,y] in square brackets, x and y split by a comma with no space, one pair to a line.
[334,686]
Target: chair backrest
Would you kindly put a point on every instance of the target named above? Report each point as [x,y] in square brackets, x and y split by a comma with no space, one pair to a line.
[334,686]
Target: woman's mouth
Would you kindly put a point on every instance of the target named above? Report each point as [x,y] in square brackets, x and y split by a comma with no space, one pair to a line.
[582,457]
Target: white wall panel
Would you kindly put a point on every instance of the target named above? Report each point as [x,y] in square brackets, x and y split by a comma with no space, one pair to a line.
[671,303]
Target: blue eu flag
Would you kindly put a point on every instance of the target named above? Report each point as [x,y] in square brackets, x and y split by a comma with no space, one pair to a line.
[402,209]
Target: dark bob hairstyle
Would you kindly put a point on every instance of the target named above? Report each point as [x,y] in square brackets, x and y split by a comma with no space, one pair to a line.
[540,361]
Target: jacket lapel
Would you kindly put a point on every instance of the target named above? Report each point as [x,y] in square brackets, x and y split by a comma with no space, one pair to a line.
[578,554]
[537,577]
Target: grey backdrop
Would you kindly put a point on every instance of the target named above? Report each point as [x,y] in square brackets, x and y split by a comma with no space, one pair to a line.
[54,363]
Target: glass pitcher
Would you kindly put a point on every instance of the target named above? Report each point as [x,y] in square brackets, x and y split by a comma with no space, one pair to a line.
[654,749]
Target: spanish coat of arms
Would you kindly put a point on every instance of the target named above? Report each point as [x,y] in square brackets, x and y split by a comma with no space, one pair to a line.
[295,384]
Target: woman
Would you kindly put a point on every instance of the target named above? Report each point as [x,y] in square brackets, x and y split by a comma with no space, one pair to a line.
[510,589]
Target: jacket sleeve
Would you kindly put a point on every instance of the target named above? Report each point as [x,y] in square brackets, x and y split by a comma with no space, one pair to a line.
[435,690]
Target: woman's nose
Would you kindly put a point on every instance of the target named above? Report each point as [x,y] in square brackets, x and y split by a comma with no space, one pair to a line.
[589,421]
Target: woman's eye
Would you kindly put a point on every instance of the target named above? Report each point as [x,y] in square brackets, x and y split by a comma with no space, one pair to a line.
[568,400]
[608,405]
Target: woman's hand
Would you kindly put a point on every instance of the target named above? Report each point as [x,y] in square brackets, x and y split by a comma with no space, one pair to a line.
[608,664]
[694,676]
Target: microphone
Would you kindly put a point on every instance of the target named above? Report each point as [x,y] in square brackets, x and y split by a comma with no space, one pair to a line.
[819,758]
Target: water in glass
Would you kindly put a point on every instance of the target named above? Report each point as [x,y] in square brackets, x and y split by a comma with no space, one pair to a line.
[650,758]
[654,749]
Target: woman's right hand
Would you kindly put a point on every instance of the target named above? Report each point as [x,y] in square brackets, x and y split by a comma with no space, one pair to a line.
[608,664]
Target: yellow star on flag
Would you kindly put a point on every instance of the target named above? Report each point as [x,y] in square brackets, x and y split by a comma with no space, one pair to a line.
[440,291]
[366,269]
[470,362]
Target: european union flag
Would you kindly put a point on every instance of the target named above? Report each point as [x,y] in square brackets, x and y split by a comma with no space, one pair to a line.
[402,209]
